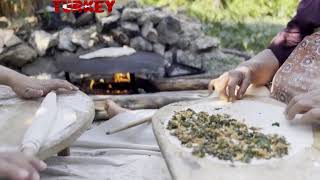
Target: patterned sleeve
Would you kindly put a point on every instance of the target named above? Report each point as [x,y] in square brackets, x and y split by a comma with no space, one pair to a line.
[303,24]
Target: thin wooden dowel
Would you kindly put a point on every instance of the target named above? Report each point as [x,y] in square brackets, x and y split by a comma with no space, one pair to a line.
[128,126]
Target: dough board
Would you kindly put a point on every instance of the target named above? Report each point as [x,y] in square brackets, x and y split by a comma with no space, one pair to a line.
[303,161]
[76,110]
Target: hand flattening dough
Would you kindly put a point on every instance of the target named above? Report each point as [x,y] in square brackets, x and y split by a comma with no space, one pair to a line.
[75,113]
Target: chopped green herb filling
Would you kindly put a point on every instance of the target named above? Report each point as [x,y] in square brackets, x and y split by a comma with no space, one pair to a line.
[225,138]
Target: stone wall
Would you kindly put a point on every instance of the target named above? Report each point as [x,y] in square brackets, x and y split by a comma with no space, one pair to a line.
[36,41]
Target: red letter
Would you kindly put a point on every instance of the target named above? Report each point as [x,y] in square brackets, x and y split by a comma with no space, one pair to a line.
[110,5]
[65,6]
[76,6]
[87,4]
[98,7]
[56,4]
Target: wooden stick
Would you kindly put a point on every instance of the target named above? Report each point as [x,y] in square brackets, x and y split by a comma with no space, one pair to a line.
[130,125]
[235,52]
[101,115]
[148,101]
[141,121]
[65,152]
[181,84]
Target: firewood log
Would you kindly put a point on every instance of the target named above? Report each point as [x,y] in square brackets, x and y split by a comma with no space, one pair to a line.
[182,84]
[148,101]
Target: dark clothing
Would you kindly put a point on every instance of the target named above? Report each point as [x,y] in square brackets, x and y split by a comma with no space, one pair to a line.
[303,24]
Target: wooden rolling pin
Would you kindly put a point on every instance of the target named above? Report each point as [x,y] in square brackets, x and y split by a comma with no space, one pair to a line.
[129,125]
[142,121]
[42,123]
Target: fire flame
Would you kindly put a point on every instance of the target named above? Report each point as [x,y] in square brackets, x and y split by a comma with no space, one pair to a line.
[92,82]
[121,78]
[118,78]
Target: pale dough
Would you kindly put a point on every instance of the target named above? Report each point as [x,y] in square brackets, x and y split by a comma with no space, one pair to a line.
[41,125]
[75,112]
[301,163]
[260,115]
[109,52]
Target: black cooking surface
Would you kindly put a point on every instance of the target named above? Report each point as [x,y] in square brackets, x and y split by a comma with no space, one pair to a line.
[139,62]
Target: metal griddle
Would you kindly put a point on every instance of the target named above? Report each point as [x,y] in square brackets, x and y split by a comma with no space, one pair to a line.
[139,62]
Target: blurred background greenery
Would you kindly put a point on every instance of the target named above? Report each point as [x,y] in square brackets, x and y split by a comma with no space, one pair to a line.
[247,25]
[21,8]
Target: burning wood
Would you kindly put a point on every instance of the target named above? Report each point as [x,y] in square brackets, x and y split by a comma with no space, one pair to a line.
[120,83]
[122,78]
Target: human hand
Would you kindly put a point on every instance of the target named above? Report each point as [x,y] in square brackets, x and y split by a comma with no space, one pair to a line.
[226,85]
[27,87]
[17,166]
[307,104]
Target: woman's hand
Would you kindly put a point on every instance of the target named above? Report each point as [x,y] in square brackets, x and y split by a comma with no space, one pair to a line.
[226,85]
[258,71]
[27,87]
[20,167]
[307,104]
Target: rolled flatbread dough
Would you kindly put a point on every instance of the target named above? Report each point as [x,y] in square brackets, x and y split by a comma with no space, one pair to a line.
[44,119]
[109,52]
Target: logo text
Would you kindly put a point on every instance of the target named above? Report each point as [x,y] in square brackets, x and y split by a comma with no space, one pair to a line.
[70,6]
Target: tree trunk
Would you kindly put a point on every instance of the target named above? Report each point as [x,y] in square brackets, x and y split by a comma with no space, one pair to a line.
[11,9]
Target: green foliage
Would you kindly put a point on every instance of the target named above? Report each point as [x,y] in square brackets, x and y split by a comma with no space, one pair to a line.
[242,24]
[250,36]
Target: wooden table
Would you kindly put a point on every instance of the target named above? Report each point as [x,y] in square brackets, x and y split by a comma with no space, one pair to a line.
[301,165]
[77,111]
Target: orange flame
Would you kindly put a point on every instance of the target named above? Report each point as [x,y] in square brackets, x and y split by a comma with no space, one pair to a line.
[121,78]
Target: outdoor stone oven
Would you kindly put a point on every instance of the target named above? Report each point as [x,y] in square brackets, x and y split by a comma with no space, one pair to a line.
[35,46]
[117,75]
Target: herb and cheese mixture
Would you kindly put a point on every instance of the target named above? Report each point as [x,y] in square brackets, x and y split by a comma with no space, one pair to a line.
[225,138]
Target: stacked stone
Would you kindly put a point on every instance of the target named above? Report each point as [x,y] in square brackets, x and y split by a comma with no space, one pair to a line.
[150,29]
